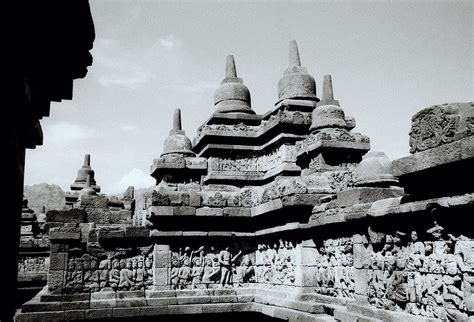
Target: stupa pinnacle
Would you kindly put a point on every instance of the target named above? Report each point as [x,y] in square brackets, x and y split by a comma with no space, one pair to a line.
[328,113]
[82,174]
[177,142]
[232,96]
[296,83]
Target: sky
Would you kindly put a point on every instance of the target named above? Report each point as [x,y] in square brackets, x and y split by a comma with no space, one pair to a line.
[387,59]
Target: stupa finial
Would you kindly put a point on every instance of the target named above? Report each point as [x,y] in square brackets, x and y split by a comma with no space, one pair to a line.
[327,88]
[230,70]
[177,120]
[87,160]
[328,94]
[294,55]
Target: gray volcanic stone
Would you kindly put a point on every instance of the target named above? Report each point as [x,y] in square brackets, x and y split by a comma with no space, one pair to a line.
[296,83]
[375,169]
[350,197]
[448,153]
[232,96]
[66,216]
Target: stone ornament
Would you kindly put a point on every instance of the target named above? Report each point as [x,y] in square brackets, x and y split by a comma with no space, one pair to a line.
[440,124]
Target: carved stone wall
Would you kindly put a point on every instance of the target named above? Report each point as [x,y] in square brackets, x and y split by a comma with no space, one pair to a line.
[32,265]
[335,271]
[210,267]
[430,276]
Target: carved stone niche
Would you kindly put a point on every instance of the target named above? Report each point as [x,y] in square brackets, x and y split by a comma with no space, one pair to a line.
[441,124]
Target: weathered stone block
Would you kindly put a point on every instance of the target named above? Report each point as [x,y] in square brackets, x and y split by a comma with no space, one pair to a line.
[217,308]
[361,279]
[45,297]
[136,232]
[184,211]
[224,299]
[121,217]
[159,301]
[131,302]
[350,197]
[185,309]
[271,205]
[94,314]
[40,316]
[206,211]
[66,216]
[161,211]
[194,199]
[359,239]
[55,280]
[161,247]
[85,231]
[154,311]
[242,307]
[161,259]
[76,297]
[76,305]
[126,312]
[306,276]
[58,248]
[94,201]
[236,212]
[103,299]
[360,255]
[306,256]
[74,315]
[99,216]
[153,292]
[56,234]
[130,294]
[34,306]
[110,233]
[92,236]
[193,292]
[193,299]
[58,261]
[161,276]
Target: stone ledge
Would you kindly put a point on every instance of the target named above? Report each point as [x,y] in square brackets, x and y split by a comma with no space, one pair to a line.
[296,311]
[445,154]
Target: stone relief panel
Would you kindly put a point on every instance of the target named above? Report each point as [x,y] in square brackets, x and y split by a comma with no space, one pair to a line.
[118,271]
[243,130]
[32,265]
[208,267]
[230,267]
[440,124]
[334,268]
[431,277]
[275,263]
[256,164]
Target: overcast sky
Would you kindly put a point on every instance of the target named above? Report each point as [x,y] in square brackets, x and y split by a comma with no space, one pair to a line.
[387,60]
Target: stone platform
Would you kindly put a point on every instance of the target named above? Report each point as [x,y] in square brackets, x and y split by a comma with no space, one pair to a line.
[285,215]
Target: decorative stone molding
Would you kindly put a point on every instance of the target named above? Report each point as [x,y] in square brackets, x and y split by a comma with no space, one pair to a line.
[441,124]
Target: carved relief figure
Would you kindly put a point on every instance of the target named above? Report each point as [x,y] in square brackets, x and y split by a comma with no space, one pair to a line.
[226,261]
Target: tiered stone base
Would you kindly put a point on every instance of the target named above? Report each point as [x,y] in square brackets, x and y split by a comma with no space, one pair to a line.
[104,305]
[279,304]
